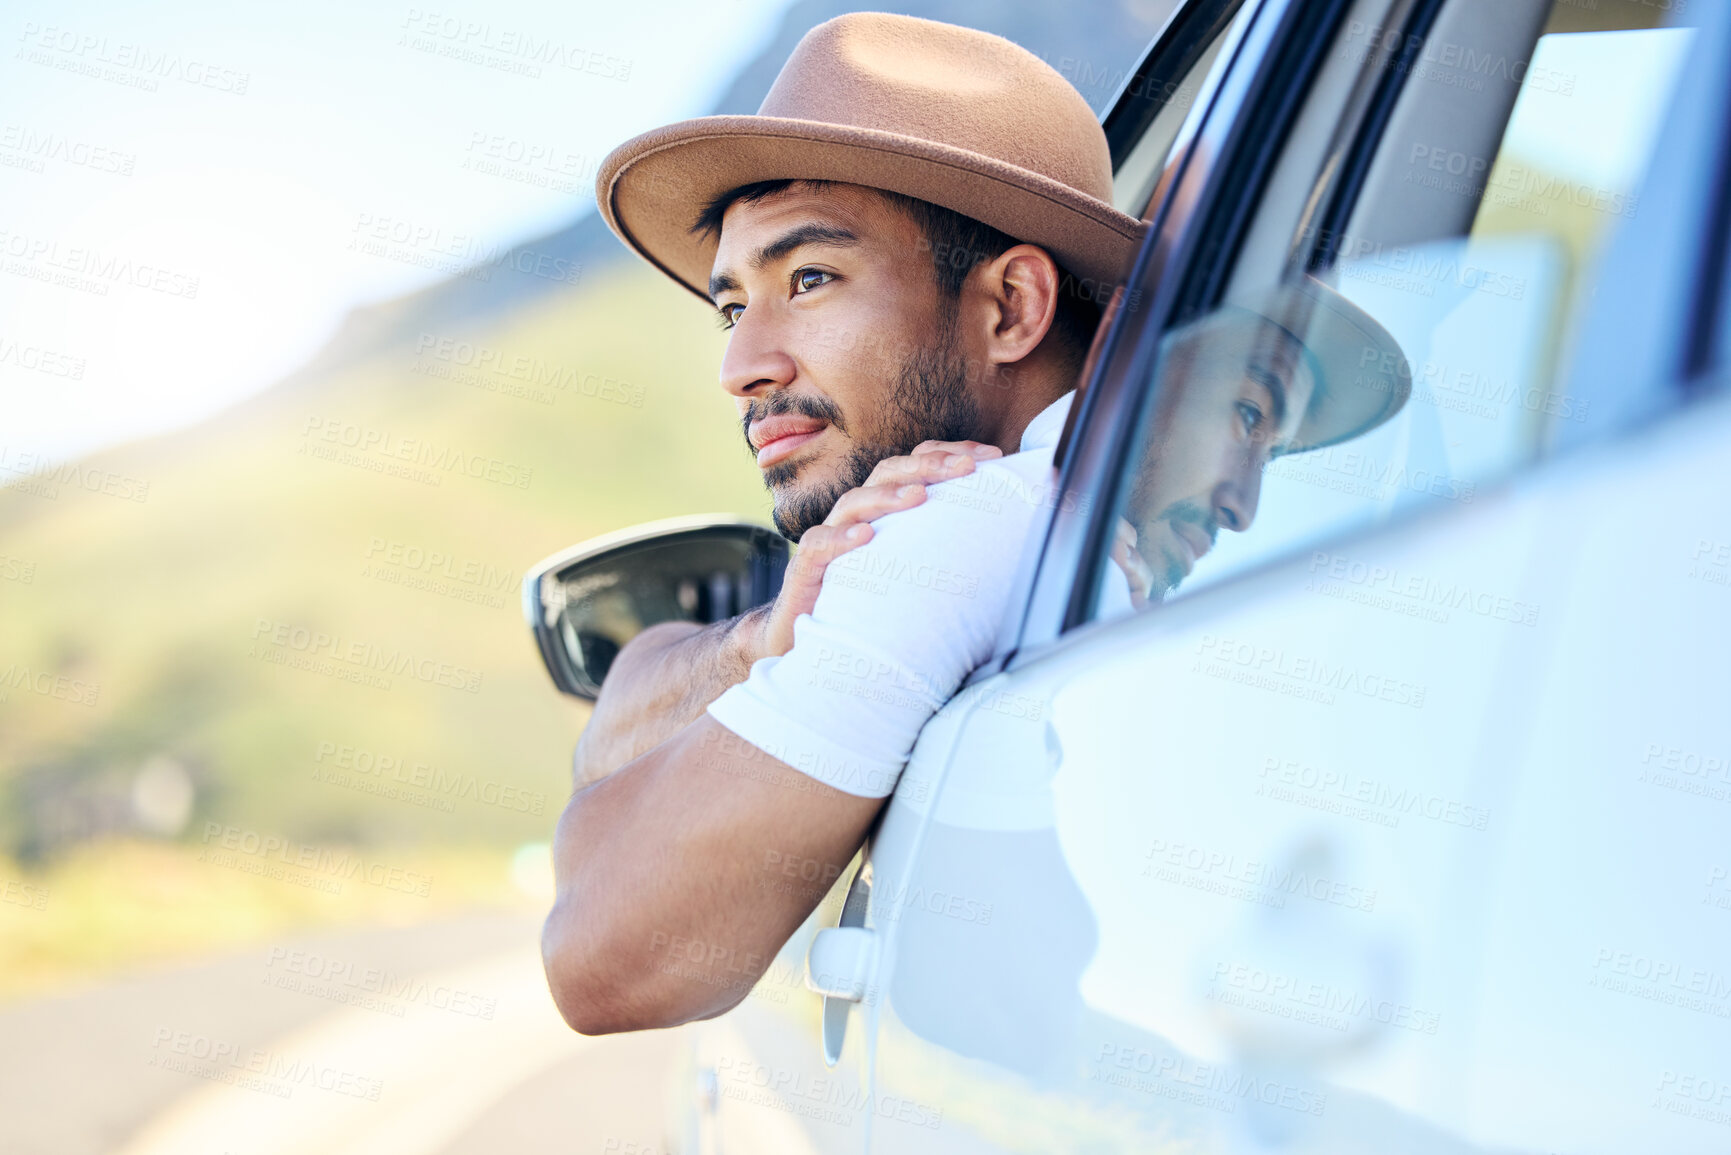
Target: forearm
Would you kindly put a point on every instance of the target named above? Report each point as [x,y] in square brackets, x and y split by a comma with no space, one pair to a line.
[661,682]
[684,846]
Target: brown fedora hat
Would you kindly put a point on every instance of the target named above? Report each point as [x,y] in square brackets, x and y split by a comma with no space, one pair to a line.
[950,115]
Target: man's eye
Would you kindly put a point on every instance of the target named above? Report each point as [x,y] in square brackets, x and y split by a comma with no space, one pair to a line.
[728,315]
[804,279]
[1251,416]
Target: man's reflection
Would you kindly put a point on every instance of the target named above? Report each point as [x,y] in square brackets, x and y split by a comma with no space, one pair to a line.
[1237,389]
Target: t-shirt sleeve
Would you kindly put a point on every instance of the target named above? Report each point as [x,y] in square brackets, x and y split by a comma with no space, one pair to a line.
[900,623]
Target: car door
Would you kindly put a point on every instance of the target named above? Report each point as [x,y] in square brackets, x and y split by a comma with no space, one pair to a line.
[781,1072]
[1399,821]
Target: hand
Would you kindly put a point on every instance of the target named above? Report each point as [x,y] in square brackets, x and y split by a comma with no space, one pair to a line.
[896,483]
[1136,571]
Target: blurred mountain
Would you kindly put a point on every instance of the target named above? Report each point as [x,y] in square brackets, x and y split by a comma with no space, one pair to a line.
[1093,43]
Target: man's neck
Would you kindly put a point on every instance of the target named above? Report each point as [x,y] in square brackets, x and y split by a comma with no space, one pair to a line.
[1028,400]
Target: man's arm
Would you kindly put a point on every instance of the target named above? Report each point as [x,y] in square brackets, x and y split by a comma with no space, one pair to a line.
[661,682]
[664,678]
[670,901]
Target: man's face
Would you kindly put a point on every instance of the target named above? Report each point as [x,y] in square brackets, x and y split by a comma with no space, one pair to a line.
[841,349]
[1229,401]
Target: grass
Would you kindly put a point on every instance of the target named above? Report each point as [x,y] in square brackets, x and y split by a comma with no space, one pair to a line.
[113,905]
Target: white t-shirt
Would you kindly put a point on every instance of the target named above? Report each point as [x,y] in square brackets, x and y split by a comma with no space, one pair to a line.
[900,623]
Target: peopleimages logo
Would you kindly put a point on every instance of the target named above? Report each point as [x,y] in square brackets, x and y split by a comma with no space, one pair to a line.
[1356,796]
[1204,1084]
[512,50]
[439,572]
[90,269]
[452,355]
[123,62]
[350,443]
[1267,667]
[25,894]
[366,656]
[254,1068]
[37,359]
[820,1098]
[1418,269]
[371,771]
[24,679]
[34,147]
[1254,880]
[225,844]
[1417,590]
[42,477]
[370,987]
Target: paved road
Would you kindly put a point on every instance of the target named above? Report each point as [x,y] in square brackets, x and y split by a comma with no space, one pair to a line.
[429,1040]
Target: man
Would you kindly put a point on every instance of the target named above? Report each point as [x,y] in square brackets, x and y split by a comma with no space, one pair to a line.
[1237,389]
[863,324]
[941,329]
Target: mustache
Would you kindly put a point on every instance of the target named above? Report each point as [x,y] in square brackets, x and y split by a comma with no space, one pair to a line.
[781,403]
[1192,513]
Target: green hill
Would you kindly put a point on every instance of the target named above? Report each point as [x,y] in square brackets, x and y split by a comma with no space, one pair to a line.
[389,506]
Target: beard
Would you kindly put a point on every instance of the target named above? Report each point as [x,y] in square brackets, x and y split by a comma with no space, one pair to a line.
[1168,569]
[930,402]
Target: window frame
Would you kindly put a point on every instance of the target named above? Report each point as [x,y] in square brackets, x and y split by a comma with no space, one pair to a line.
[1166,64]
[1213,179]
[1197,248]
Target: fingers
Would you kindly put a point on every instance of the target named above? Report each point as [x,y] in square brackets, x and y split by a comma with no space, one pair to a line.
[822,544]
[897,483]
[1137,575]
[931,462]
[1124,535]
[870,502]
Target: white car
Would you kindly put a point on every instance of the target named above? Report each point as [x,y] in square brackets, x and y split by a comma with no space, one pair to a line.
[1403,823]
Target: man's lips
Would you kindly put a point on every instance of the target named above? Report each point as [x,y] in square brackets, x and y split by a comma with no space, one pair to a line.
[777,437]
[1193,541]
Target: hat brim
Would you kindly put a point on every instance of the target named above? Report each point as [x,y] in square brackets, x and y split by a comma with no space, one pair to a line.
[651,189]
[1362,376]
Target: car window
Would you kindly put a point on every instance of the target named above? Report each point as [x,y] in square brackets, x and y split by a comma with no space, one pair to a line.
[1412,348]
[1137,174]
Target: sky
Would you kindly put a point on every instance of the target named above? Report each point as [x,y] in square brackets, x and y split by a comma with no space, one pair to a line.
[186,196]
[182,190]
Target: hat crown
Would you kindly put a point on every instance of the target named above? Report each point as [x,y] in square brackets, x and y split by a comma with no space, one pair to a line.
[951,85]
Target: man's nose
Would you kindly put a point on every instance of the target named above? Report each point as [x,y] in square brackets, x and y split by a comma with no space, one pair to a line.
[756,360]
[1239,491]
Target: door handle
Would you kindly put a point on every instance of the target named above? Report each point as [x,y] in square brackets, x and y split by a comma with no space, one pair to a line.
[840,964]
[841,961]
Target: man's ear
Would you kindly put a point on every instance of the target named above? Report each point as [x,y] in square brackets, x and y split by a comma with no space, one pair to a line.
[1020,289]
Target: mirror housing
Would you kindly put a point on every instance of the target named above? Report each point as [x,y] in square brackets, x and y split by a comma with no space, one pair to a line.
[585,603]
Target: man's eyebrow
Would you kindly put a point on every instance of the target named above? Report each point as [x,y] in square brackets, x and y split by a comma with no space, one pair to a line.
[721,283]
[1270,380]
[797,237]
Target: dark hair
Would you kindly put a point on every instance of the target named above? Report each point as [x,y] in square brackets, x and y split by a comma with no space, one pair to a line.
[957,243]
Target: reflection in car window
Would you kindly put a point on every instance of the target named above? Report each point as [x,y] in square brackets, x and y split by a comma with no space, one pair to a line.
[1422,353]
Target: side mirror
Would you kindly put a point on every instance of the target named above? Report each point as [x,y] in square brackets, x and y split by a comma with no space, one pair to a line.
[584,603]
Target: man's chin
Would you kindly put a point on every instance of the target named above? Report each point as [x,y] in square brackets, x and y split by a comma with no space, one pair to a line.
[801,504]
[806,488]
[1169,573]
